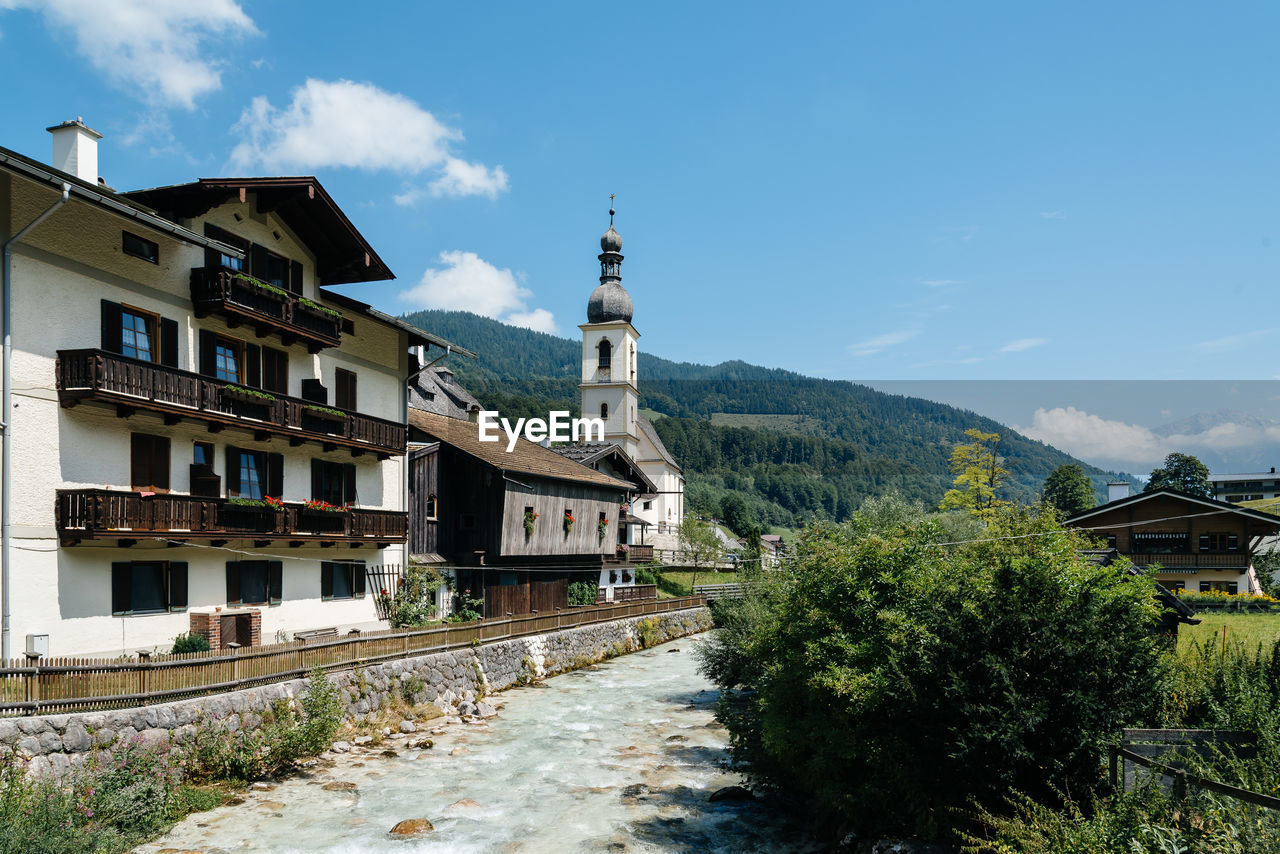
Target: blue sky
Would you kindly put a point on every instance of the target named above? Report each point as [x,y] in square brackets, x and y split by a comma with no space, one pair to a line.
[858,191]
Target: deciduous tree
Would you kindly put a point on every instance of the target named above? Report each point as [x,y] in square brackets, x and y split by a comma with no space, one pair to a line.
[1068,490]
[1182,472]
[979,474]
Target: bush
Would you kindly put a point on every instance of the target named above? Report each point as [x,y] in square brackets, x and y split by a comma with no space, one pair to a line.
[190,643]
[583,592]
[414,604]
[895,682]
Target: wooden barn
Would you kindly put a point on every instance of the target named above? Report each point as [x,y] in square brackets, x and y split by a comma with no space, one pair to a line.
[518,525]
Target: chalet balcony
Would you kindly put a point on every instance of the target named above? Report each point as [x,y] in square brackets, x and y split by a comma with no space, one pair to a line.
[1193,561]
[104,514]
[269,310]
[134,385]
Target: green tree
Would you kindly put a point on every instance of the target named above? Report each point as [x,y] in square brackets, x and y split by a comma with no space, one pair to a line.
[734,513]
[698,545]
[979,474]
[1182,472]
[1068,490]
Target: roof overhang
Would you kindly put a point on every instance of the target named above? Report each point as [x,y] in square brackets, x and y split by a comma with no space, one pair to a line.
[342,253]
[1208,503]
[416,335]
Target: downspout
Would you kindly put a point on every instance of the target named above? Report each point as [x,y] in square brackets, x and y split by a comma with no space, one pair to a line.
[6,410]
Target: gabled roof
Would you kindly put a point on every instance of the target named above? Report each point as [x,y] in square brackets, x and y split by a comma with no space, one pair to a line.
[430,394]
[647,429]
[526,458]
[593,453]
[1199,501]
[105,198]
[342,253]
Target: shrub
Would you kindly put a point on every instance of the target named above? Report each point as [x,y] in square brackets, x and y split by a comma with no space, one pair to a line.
[930,676]
[650,631]
[190,643]
[583,592]
[415,602]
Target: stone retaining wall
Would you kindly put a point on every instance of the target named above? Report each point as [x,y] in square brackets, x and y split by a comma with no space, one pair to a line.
[57,743]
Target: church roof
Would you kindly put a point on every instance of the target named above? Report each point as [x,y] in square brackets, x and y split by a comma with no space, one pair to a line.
[434,390]
[646,427]
[584,452]
[527,457]
[594,453]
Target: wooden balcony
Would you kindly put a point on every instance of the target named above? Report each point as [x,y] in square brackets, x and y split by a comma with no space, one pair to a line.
[105,514]
[270,311]
[1202,560]
[133,385]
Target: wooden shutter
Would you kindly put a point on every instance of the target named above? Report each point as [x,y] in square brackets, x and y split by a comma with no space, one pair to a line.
[178,585]
[295,277]
[233,582]
[1233,542]
[275,581]
[233,471]
[253,365]
[168,342]
[317,480]
[208,353]
[275,475]
[349,483]
[1204,542]
[111,326]
[160,463]
[326,580]
[275,370]
[139,460]
[121,587]
[258,261]
[357,579]
[344,389]
[314,391]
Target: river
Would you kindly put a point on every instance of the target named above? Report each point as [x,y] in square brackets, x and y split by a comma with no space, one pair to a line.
[621,757]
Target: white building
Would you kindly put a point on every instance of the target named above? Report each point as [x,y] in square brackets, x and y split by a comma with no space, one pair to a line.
[176,362]
[610,391]
[1250,486]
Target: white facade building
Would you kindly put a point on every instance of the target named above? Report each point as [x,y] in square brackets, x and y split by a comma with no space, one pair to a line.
[610,391]
[186,398]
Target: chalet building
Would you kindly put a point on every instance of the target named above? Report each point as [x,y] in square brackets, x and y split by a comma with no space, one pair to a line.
[610,391]
[606,457]
[515,526]
[201,435]
[1200,544]
[1250,486]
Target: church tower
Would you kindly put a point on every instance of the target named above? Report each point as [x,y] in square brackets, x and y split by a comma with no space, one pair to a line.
[608,381]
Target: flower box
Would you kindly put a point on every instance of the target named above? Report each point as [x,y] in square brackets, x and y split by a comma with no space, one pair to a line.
[240,394]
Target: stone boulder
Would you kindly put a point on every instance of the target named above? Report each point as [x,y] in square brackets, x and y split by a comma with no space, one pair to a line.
[411,827]
[731,793]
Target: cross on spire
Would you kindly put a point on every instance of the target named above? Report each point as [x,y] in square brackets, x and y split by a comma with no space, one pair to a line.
[611,210]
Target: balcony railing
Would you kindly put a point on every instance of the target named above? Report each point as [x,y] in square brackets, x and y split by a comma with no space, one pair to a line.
[1193,561]
[220,290]
[134,384]
[90,514]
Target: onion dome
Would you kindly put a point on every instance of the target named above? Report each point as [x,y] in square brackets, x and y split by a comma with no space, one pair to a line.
[611,241]
[608,303]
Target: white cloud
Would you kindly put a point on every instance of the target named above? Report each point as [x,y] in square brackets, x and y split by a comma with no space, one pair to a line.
[155,45]
[1023,344]
[1094,438]
[467,282]
[871,346]
[342,123]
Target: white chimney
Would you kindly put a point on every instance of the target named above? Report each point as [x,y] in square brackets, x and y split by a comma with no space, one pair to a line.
[1117,490]
[75,149]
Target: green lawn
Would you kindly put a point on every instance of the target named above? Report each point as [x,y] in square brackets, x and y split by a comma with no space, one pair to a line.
[1253,629]
[679,583]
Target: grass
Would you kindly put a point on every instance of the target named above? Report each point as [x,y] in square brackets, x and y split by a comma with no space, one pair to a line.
[672,584]
[1252,629]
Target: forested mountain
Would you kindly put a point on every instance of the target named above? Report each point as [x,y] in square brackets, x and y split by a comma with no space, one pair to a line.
[793,446]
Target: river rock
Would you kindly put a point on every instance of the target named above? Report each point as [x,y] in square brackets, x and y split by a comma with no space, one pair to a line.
[458,751]
[634,794]
[408,727]
[423,744]
[674,649]
[731,793]
[340,746]
[484,710]
[362,740]
[464,804]
[340,786]
[412,827]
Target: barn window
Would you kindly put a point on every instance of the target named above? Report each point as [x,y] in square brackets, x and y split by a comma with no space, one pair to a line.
[431,506]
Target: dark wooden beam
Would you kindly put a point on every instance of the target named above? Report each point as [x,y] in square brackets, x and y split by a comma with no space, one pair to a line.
[261,436]
[217,544]
[357,452]
[295,441]
[170,420]
[125,544]
[382,545]
[327,544]
[68,542]
[261,331]
[173,544]
[293,544]
[327,446]
[357,545]
[123,411]
[215,427]
[261,544]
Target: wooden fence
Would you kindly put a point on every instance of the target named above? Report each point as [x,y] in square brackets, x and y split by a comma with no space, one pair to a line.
[720,591]
[85,684]
[1145,747]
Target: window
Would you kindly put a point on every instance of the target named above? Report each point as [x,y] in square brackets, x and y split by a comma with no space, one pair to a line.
[214,258]
[1174,585]
[1219,542]
[148,587]
[254,582]
[226,356]
[648,505]
[333,482]
[204,482]
[274,269]
[254,474]
[140,247]
[149,462]
[342,580]
[433,509]
[275,371]
[604,354]
[344,392]
[137,334]
[604,412]
[1229,587]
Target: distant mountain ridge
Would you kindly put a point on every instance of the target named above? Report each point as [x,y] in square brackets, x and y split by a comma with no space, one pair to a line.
[794,446]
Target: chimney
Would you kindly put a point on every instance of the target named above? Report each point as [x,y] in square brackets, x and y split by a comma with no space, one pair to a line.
[473,414]
[1117,490]
[75,149]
